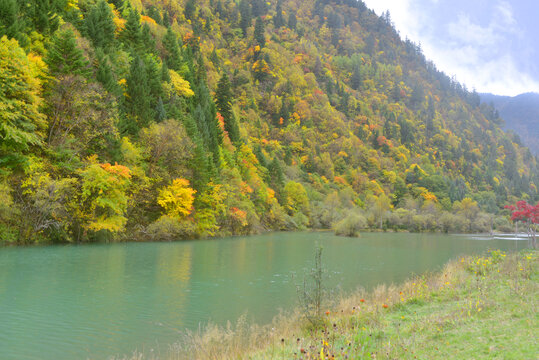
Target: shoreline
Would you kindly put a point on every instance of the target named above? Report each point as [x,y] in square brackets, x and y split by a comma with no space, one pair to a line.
[471,297]
[519,237]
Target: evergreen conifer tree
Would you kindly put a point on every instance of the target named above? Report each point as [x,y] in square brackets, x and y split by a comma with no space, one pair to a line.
[132,32]
[165,74]
[99,25]
[245,16]
[292,20]
[153,74]
[205,115]
[355,80]
[138,94]
[259,34]
[219,9]
[189,10]
[154,14]
[278,20]
[173,57]
[276,180]
[260,156]
[64,56]
[259,8]
[166,18]
[10,24]
[160,112]
[104,73]
[223,101]
[215,59]
[146,40]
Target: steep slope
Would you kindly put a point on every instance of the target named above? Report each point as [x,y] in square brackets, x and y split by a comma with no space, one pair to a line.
[225,117]
[521,114]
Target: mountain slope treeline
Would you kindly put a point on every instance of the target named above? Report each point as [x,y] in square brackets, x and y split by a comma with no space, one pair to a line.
[520,114]
[179,119]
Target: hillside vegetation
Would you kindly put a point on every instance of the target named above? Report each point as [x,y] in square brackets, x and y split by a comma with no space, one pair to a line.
[162,119]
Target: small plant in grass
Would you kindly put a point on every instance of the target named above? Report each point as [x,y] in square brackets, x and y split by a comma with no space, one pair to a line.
[480,265]
[312,294]
[497,256]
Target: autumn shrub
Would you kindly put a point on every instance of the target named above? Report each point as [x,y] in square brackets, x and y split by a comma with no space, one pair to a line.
[502,224]
[8,209]
[482,223]
[445,222]
[324,215]
[298,221]
[167,228]
[400,218]
[351,225]
[8,235]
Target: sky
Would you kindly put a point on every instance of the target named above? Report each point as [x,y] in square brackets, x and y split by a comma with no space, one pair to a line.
[488,45]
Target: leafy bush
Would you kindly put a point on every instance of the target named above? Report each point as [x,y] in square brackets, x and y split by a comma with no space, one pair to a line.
[351,225]
[167,228]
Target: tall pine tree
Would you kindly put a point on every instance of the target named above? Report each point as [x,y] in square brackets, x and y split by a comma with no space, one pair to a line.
[292,20]
[11,24]
[65,57]
[278,20]
[99,25]
[223,101]
[131,35]
[173,57]
[259,34]
[245,16]
[137,102]
[104,73]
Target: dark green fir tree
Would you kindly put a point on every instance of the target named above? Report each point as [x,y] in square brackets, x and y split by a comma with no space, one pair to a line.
[65,57]
[223,101]
[99,25]
[259,34]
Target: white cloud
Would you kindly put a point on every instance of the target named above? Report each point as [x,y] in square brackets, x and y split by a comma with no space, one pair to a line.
[505,14]
[475,54]
[466,32]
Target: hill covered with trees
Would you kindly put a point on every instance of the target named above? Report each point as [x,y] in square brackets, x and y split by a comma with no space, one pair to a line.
[160,119]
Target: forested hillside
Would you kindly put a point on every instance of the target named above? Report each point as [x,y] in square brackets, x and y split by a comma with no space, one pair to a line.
[161,119]
[520,114]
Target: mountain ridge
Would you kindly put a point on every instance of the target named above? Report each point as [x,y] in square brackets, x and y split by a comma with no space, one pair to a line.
[521,115]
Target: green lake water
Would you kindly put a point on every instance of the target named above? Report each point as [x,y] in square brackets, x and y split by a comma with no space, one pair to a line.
[95,301]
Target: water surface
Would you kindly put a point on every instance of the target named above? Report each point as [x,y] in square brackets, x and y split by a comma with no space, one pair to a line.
[94,301]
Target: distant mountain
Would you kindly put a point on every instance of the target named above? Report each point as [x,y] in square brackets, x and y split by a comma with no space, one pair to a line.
[521,114]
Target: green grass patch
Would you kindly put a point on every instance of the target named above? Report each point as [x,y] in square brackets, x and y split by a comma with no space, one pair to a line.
[483,308]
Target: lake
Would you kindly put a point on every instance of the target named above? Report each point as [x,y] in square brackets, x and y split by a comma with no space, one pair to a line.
[95,301]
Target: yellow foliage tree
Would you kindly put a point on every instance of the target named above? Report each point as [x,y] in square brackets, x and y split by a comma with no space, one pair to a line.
[21,122]
[179,85]
[296,199]
[104,196]
[177,199]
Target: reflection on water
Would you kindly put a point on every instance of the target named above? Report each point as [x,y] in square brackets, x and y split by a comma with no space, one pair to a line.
[66,302]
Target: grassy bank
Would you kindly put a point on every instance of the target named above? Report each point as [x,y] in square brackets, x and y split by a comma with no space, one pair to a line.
[475,308]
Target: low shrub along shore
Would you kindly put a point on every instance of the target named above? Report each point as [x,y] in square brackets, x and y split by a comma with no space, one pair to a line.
[481,307]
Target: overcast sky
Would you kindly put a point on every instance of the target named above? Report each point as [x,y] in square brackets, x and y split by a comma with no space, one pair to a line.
[489,45]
